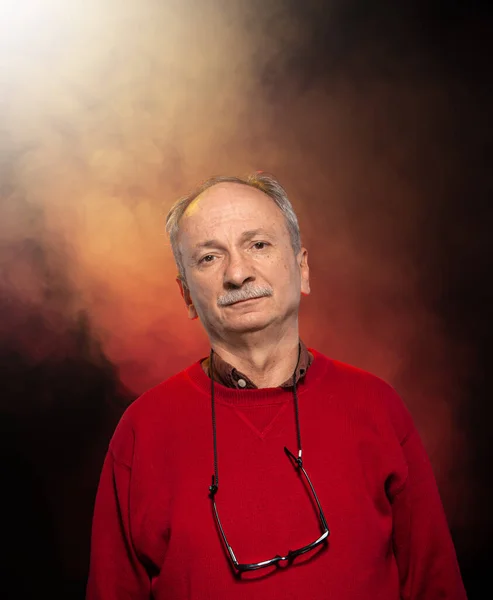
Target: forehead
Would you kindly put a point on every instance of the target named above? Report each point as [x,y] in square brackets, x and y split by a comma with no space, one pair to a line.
[230,207]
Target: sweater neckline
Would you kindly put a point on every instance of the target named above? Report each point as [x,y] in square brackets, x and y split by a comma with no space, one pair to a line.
[262,396]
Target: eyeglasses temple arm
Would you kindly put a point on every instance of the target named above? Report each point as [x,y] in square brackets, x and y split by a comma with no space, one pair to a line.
[299,464]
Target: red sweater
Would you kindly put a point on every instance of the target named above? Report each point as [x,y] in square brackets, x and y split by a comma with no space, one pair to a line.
[154,534]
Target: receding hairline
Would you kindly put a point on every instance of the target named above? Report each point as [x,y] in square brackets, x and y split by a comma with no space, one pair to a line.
[225,184]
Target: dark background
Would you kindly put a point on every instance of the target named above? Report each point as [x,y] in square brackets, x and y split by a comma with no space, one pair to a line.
[376,116]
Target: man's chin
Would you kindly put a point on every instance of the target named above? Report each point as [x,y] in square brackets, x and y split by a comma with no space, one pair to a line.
[247,325]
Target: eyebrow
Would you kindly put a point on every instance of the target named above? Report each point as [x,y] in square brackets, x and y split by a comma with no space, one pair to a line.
[246,235]
[207,244]
[201,245]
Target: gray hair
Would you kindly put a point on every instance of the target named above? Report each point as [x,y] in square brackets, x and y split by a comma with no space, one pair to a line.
[261,181]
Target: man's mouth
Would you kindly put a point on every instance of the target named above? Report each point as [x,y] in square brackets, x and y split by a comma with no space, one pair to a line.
[246,300]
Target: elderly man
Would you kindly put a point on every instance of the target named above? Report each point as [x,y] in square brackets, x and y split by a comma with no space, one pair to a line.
[266,470]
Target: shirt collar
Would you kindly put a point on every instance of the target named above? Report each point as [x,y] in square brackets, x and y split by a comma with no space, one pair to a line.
[227,375]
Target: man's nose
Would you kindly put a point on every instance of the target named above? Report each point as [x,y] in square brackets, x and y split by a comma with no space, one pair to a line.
[239,271]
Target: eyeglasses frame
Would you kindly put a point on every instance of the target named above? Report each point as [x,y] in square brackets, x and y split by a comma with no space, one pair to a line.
[292,554]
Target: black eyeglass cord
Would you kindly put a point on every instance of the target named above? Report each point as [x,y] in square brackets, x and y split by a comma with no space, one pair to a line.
[299,460]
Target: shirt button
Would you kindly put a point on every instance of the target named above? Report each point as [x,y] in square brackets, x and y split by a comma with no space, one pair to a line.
[242,383]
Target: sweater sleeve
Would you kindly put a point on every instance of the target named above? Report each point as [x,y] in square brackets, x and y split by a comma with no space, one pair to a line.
[423,546]
[115,571]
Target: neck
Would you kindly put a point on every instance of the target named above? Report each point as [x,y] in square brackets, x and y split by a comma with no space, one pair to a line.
[267,362]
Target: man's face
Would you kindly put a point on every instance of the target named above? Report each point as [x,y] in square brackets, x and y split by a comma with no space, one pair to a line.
[235,244]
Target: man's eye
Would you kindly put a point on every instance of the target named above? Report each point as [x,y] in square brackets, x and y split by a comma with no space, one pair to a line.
[207,258]
[260,245]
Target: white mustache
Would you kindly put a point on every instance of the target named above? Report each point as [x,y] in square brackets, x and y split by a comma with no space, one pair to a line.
[243,294]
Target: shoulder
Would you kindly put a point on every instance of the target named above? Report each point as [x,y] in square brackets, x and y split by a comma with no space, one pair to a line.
[164,396]
[359,379]
[155,409]
[348,375]
[368,394]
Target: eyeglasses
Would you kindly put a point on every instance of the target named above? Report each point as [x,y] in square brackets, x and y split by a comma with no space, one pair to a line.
[298,465]
[292,554]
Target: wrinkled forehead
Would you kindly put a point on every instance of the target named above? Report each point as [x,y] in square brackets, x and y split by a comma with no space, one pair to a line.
[229,209]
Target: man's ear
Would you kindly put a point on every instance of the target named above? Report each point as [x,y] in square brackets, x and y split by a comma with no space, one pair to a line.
[185,292]
[304,271]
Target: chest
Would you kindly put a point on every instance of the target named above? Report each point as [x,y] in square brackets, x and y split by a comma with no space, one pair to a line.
[264,504]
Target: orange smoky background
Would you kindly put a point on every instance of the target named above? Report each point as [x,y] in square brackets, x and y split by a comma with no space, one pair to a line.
[371,119]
